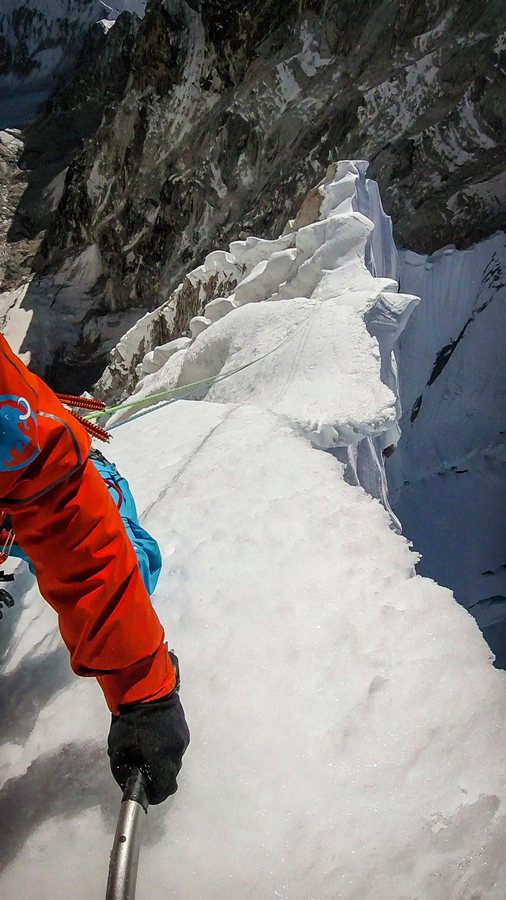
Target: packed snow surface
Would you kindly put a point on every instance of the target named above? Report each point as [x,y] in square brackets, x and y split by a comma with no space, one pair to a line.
[341,706]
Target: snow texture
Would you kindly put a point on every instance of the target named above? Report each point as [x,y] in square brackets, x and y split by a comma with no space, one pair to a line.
[341,706]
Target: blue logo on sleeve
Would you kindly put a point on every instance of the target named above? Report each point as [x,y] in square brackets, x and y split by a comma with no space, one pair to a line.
[19,444]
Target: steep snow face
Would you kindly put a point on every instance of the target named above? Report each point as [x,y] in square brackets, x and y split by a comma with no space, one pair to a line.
[340,706]
[446,481]
[39,41]
[447,477]
[74,294]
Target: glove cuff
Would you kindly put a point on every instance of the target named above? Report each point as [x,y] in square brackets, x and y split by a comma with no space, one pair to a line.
[147,680]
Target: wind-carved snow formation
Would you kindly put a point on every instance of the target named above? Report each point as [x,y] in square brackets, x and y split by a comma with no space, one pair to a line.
[316,321]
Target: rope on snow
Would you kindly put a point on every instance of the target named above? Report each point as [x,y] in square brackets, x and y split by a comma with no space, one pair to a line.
[187,390]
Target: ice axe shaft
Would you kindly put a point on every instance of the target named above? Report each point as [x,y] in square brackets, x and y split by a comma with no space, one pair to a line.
[127,840]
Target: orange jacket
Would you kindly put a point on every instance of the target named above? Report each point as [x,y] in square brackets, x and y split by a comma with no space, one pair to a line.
[68,525]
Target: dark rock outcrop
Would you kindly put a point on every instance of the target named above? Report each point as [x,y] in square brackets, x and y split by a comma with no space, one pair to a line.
[73,115]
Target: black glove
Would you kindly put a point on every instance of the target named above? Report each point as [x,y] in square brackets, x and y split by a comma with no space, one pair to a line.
[152,737]
[6,599]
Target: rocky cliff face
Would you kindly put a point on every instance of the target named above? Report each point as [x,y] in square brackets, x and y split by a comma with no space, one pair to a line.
[72,115]
[39,43]
[50,317]
[229,115]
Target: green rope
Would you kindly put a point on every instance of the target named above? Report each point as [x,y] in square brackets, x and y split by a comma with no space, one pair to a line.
[109,410]
[193,386]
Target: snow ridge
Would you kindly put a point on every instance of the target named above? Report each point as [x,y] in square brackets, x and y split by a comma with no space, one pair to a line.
[336,381]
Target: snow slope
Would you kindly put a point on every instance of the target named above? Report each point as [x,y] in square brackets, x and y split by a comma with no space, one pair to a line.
[341,706]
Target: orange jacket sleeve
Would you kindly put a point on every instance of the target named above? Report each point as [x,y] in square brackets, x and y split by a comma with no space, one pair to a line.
[67,523]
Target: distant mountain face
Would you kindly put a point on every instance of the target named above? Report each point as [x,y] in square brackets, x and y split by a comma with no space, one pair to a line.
[225,115]
[40,41]
[231,113]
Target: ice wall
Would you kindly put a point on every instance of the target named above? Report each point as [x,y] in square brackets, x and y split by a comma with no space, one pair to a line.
[447,477]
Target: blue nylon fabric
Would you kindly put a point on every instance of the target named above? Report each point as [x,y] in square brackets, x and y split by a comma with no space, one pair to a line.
[145,546]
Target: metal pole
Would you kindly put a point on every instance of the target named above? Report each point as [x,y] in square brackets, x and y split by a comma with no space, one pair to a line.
[127,840]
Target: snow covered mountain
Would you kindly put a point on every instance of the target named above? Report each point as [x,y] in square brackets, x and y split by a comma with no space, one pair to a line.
[39,42]
[221,120]
[341,706]
[348,725]
[320,256]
